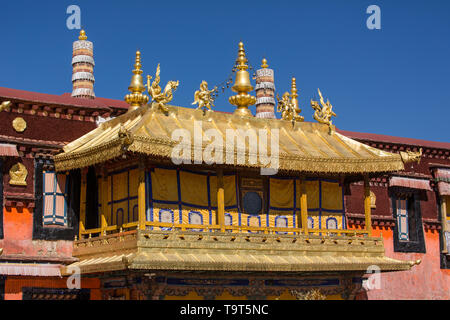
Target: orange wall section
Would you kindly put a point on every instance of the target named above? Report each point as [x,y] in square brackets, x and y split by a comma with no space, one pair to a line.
[426,281]
[18,234]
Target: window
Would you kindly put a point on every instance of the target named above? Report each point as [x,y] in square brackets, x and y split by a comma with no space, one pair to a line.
[55,198]
[408,232]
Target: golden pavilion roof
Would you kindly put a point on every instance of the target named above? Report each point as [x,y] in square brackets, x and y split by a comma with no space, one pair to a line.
[303,146]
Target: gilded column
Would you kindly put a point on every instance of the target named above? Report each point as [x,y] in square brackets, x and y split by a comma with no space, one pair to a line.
[367,207]
[83,202]
[141,198]
[265,92]
[83,68]
[303,206]
[103,220]
[220,200]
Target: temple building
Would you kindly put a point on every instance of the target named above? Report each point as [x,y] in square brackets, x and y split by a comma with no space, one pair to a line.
[410,210]
[147,200]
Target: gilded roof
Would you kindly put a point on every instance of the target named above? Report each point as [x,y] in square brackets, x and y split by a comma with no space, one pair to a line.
[303,146]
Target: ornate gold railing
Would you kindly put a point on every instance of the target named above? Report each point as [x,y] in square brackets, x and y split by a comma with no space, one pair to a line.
[88,233]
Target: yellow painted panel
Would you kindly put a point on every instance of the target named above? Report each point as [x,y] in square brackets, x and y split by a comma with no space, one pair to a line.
[164,184]
[312,194]
[194,188]
[134,182]
[331,196]
[281,193]
[229,184]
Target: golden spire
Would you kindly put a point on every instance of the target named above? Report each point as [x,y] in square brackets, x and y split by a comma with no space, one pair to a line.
[264,64]
[294,95]
[136,99]
[294,101]
[83,35]
[242,86]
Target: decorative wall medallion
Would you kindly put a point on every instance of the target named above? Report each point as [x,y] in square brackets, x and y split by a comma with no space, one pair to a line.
[18,175]
[19,124]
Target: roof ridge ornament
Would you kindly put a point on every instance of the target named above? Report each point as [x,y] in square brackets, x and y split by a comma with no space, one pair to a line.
[154,89]
[203,97]
[411,156]
[136,99]
[323,112]
[242,86]
[288,105]
[5,106]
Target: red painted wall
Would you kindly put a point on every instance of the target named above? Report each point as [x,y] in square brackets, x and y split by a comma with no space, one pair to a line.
[14,285]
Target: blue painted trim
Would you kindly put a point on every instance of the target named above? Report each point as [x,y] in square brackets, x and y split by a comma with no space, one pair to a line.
[236,178]
[128,192]
[287,223]
[54,197]
[195,212]
[231,218]
[208,190]
[253,216]
[330,219]
[295,204]
[180,208]
[117,216]
[320,204]
[269,207]
[344,224]
[312,222]
[112,196]
[172,214]
[149,193]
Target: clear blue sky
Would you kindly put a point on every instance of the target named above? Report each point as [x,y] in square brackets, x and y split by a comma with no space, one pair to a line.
[392,81]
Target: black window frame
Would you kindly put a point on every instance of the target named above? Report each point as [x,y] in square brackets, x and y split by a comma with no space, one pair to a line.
[41,232]
[416,245]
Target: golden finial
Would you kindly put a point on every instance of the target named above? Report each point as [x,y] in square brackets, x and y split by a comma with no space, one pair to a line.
[264,64]
[242,85]
[294,101]
[136,99]
[138,65]
[83,35]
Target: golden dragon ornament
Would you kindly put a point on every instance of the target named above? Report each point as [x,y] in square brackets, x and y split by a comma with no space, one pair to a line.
[154,89]
[323,112]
